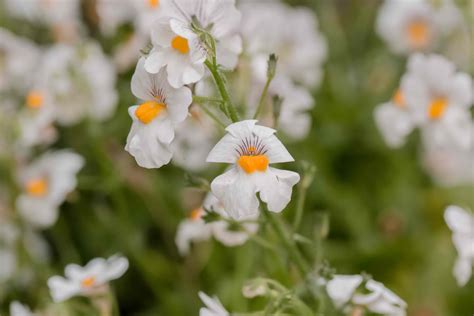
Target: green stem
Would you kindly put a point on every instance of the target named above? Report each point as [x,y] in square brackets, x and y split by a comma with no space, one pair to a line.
[299,205]
[201,99]
[262,97]
[287,242]
[219,80]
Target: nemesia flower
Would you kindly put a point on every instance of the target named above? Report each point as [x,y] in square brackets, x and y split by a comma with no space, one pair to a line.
[195,229]
[45,184]
[87,280]
[409,26]
[179,49]
[394,120]
[250,149]
[461,223]
[213,306]
[112,14]
[80,82]
[439,99]
[195,137]
[154,120]
[375,297]
[18,309]
[62,16]
[272,27]
[146,12]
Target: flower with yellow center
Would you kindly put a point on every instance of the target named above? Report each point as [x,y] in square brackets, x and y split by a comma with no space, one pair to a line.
[153,3]
[437,108]
[37,187]
[154,120]
[418,33]
[398,99]
[34,99]
[251,148]
[87,280]
[180,44]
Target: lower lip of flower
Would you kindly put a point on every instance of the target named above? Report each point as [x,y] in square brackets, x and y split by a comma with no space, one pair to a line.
[37,187]
[88,282]
[250,164]
[148,111]
[418,34]
[34,100]
[180,44]
[437,108]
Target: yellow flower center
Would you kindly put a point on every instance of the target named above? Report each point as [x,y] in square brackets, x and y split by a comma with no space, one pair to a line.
[34,99]
[180,44]
[153,3]
[437,108]
[250,164]
[399,99]
[37,187]
[88,282]
[196,214]
[149,110]
[418,34]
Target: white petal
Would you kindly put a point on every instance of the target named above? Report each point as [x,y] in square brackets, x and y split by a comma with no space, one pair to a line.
[62,289]
[341,288]
[178,104]
[156,61]
[394,123]
[462,271]
[275,187]
[117,266]
[191,231]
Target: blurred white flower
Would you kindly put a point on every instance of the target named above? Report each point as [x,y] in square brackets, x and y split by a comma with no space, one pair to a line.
[16,68]
[80,82]
[154,120]
[114,13]
[250,148]
[177,47]
[194,228]
[146,13]
[439,99]
[9,263]
[271,27]
[409,26]
[375,297]
[87,280]
[449,164]
[394,120]
[461,223]
[18,309]
[45,184]
[195,137]
[63,17]
[213,306]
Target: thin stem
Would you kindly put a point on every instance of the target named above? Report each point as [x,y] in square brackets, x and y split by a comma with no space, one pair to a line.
[287,242]
[201,99]
[302,189]
[263,96]
[220,83]
[211,115]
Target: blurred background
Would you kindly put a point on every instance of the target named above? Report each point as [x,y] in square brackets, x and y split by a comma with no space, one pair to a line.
[384,209]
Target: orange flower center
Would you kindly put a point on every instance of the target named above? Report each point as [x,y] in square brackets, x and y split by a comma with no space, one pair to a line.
[196,214]
[180,44]
[250,164]
[88,282]
[437,108]
[34,99]
[153,3]
[149,110]
[399,99]
[37,187]
[418,34]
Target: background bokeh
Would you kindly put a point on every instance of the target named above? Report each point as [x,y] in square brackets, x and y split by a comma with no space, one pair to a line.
[385,212]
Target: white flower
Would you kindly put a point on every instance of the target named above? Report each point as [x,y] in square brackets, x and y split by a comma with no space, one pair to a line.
[195,137]
[45,184]
[18,309]
[461,223]
[213,306]
[376,298]
[290,33]
[62,16]
[112,14]
[86,280]
[394,120]
[409,26]
[439,99]
[251,148]
[9,263]
[16,68]
[194,229]
[80,82]
[146,13]
[154,120]
[178,48]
